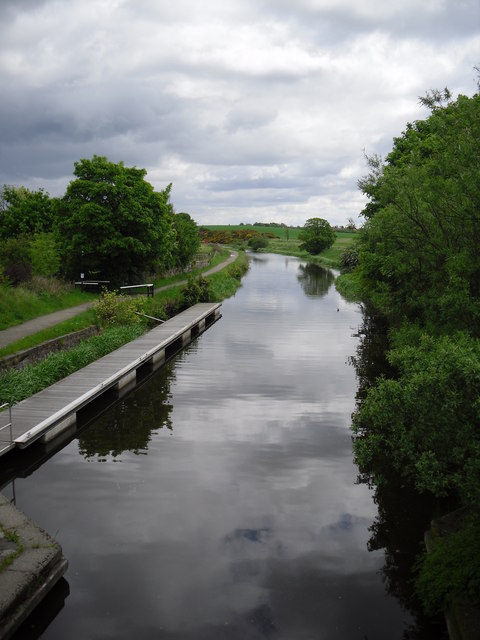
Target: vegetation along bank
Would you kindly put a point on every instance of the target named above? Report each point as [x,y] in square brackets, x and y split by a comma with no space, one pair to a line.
[416,261]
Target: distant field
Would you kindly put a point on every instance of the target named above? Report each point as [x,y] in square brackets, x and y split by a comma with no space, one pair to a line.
[281,232]
[330,258]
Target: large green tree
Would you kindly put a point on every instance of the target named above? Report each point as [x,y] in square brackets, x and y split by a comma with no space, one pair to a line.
[419,248]
[316,236]
[112,224]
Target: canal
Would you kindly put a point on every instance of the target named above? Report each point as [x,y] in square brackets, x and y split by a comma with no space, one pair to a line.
[220,499]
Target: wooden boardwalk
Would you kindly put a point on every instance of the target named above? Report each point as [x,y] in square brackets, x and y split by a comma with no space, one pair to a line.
[53,410]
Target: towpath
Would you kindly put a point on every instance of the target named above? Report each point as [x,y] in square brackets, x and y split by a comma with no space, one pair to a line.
[19,331]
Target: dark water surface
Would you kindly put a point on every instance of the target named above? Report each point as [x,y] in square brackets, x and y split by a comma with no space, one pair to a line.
[219,500]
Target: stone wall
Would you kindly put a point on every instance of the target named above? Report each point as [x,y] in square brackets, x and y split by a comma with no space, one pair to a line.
[40,352]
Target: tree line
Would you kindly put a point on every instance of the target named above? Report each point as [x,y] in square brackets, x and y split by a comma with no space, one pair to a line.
[110,224]
[417,261]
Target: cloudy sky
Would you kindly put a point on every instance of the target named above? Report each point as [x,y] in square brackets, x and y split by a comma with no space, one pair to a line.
[255,110]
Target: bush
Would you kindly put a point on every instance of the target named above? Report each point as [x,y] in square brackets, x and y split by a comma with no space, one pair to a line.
[259,242]
[451,571]
[196,290]
[349,259]
[113,309]
[424,423]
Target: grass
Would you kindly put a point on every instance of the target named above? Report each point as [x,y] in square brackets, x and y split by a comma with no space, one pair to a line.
[225,283]
[11,536]
[83,320]
[19,304]
[348,285]
[17,385]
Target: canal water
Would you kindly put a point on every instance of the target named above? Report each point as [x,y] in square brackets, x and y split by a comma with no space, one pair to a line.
[220,499]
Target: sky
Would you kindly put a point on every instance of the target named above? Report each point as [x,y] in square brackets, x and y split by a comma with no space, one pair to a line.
[255,110]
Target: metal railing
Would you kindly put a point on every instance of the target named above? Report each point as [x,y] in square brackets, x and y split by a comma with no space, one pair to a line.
[4,446]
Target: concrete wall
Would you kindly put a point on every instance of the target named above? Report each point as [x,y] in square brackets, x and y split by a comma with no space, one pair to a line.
[40,352]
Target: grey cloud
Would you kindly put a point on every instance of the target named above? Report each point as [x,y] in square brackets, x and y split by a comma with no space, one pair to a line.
[290,94]
[249,117]
[336,24]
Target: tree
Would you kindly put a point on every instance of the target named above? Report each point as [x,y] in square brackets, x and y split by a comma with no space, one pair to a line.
[419,247]
[187,239]
[24,212]
[316,236]
[112,224]
[15,260]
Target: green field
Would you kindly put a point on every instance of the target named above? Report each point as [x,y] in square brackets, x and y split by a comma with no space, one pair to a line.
[281,232]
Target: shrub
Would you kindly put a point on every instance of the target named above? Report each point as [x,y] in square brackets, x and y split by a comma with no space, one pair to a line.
[349,259]
[451,571]
[196,290]
[113,309]
[258,242]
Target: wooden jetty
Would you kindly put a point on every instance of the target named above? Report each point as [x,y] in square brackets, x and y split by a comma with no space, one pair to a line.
[52,411]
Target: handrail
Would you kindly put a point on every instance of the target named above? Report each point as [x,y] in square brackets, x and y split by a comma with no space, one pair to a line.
[8,425]
[148,285]
[150,317]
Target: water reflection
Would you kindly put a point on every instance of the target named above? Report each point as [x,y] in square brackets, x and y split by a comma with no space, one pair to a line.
[244,521]
[43,615]
[130,423]
[315,280]
[403,515]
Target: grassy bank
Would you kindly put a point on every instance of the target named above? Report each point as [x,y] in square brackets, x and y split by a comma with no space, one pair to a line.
[225,283]
[19,304]
[349,286]
[83,320]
